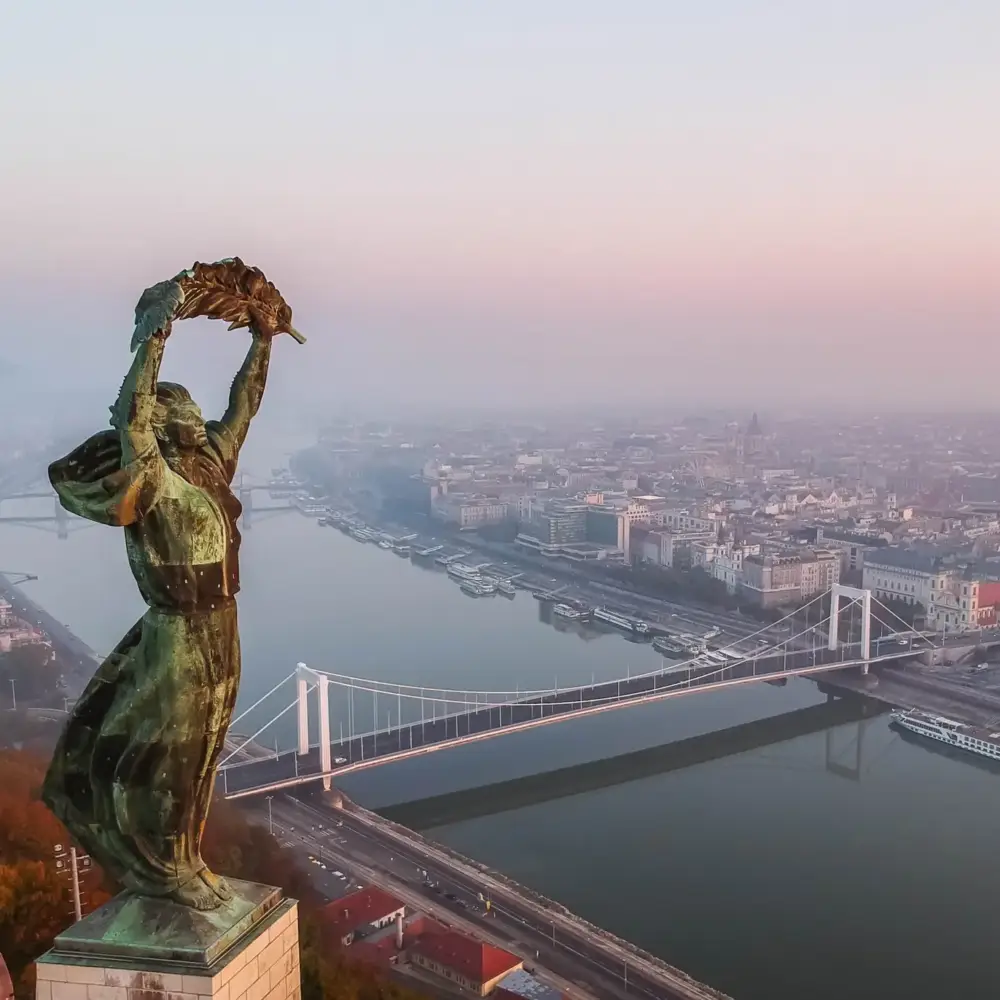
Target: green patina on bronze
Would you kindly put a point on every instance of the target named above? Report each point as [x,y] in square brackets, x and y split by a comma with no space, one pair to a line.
[168,938]
[133,773]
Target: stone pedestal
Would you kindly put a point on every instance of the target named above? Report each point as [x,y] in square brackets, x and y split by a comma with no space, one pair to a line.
[137,948]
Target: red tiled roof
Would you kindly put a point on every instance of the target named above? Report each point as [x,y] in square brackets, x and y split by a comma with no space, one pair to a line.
[473,960]
[358,909]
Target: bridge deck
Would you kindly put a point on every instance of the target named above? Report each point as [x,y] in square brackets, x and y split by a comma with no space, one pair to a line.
[410,739]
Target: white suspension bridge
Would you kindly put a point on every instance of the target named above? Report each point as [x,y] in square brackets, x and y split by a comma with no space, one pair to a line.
[372,722]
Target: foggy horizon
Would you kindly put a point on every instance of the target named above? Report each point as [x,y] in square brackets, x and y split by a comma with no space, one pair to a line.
[499,209]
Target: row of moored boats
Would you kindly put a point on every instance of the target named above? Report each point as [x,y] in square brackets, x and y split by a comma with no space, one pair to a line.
[481,580]
[473,581]
[361,532]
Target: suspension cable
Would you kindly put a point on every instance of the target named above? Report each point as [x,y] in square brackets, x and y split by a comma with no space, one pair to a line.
[393,687]
[246,711]
[250,739]
[555,692]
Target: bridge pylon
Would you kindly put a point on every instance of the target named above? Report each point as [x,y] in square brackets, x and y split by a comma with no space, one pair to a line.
[62,521]
[838,591]
[304,678]
[246,501]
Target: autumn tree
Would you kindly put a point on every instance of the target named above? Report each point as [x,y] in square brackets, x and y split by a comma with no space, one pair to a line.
[34,908]
[35,902]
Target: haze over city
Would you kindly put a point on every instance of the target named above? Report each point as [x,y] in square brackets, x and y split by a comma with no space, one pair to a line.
[516,204]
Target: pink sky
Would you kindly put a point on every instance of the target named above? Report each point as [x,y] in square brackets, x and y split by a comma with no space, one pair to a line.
[439,171]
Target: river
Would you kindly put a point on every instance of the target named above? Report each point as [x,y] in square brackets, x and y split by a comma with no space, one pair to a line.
[767,873]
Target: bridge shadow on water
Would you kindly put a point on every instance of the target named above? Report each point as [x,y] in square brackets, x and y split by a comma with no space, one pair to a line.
[534,789]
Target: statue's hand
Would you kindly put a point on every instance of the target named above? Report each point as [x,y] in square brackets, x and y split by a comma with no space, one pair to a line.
[261,326]
[266,326]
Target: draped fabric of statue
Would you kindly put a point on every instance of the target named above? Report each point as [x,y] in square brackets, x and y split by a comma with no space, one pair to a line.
[133,774]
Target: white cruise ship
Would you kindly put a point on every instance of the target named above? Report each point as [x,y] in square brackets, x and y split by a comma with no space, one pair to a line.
[460,571]
[620,621]
[957,734]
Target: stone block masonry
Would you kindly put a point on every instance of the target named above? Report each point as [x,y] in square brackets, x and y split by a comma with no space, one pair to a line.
[262,966]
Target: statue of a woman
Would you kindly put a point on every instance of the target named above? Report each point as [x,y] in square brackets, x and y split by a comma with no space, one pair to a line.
[133,774]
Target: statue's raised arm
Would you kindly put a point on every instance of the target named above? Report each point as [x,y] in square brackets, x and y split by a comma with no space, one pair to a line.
[247,389]
[116,477]
[133,412]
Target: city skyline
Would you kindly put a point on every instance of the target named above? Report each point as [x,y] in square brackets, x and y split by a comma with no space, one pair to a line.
[492,206]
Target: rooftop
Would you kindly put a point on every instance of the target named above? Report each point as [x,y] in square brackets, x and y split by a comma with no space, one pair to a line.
[473,960]
[358,909]
[519,983]
[859,537]
[923,560]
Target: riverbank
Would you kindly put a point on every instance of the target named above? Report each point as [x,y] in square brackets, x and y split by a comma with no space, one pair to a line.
[77,658]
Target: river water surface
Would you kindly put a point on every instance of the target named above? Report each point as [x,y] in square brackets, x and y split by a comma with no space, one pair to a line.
[801,870]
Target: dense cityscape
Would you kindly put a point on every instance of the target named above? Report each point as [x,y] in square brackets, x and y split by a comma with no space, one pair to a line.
[736,510]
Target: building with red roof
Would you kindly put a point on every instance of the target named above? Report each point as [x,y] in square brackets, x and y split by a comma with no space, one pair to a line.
[383,947]
[359,914]
[473,965]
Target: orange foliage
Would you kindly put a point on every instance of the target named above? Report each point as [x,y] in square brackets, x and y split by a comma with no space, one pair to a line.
[34,908]
[28,831]
[35,901]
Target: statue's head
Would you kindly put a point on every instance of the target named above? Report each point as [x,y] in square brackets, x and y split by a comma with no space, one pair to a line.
[177,420]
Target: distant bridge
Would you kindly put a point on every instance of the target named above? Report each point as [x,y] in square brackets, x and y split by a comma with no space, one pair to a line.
[27,482]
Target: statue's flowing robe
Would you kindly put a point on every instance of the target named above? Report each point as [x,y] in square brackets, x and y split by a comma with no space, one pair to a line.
[132,775]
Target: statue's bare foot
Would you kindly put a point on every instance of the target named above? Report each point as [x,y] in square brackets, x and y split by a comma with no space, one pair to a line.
[217,884]
[196,894]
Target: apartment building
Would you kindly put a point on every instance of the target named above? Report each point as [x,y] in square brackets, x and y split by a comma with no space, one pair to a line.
[788,578]
[469,511]
[913,575]
[852,545]
[669,549]
[685,520]
[581,532]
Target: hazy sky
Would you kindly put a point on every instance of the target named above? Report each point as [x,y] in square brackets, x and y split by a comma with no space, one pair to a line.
[714,201]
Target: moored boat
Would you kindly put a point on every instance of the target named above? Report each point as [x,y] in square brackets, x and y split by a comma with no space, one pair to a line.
[982,742]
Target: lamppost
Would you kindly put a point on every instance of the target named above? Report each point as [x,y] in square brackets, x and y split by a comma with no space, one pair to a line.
[13,696]
[270,823]
[68,864]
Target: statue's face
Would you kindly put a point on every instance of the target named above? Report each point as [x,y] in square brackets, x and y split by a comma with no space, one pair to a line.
[184,426]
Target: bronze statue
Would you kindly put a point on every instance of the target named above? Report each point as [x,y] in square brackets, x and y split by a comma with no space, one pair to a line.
[133,773]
